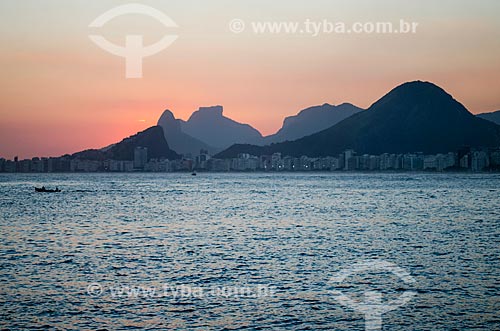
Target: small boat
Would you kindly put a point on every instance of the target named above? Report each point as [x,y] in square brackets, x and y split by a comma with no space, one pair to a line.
[43,189]
[193,173]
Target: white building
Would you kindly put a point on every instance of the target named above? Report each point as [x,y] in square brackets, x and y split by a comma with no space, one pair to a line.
[140,157]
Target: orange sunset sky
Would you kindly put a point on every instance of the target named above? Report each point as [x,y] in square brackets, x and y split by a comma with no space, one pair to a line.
[60,93]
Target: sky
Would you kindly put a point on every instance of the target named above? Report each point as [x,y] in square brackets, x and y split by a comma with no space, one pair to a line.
[61,93]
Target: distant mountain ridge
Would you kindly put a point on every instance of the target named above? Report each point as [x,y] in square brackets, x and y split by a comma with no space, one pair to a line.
[208,124]
[413,117]
[177,139]
[492,117]
[208,129]
[311,120]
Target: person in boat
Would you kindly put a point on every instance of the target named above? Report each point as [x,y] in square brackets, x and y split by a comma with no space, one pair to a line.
[43,188]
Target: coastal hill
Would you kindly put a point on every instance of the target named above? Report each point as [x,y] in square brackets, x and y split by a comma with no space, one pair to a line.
[151,138]
[413,117]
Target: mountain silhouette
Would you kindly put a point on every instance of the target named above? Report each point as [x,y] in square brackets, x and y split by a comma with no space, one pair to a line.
[311,120]
[152,138]
[210,126]
[210,130]
[177,139]
[413,117]
[492,117]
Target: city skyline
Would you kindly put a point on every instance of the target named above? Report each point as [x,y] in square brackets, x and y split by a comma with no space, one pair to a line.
[465,159]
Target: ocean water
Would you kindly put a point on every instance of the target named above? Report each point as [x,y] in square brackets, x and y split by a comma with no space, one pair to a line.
[250,251]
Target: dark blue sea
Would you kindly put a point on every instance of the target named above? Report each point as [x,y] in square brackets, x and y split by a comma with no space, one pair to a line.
[250,251]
